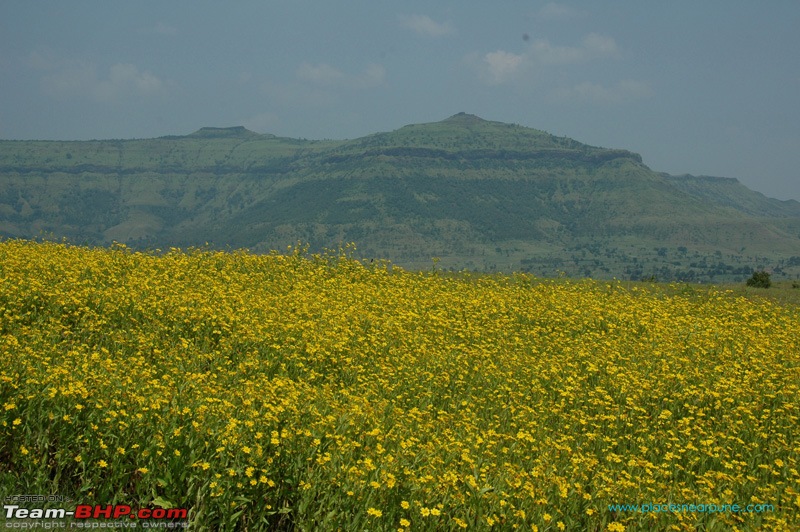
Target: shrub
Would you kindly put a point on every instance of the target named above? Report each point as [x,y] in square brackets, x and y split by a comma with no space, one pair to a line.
[760,279]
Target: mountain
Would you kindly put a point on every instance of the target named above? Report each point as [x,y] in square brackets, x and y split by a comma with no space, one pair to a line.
[237,132]
[474,193]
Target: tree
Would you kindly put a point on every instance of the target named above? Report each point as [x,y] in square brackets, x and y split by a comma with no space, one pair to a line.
[760,279]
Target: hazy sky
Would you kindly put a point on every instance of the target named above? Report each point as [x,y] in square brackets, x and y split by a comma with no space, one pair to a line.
[709,87]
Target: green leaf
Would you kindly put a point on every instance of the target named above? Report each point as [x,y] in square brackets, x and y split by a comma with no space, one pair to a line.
[162,502]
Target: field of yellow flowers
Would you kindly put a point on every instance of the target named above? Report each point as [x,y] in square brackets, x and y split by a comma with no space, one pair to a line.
[298,391]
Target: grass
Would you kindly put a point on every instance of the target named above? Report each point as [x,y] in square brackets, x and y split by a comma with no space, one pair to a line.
[785,293]
[315,392]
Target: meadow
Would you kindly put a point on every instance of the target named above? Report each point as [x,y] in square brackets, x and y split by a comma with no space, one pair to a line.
[317,392]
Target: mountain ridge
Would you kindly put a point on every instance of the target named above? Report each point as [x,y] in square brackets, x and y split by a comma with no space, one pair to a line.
[478,194]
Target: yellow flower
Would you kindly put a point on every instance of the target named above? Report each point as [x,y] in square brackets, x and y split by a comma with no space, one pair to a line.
[375,512]
[313,345]
[102,463]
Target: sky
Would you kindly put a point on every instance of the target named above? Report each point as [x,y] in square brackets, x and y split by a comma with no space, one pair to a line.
[705,88]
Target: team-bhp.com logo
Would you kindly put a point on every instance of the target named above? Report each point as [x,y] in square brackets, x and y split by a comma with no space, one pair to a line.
[87,511]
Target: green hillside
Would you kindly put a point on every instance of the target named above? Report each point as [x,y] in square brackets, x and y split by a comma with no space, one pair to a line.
[474,193]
